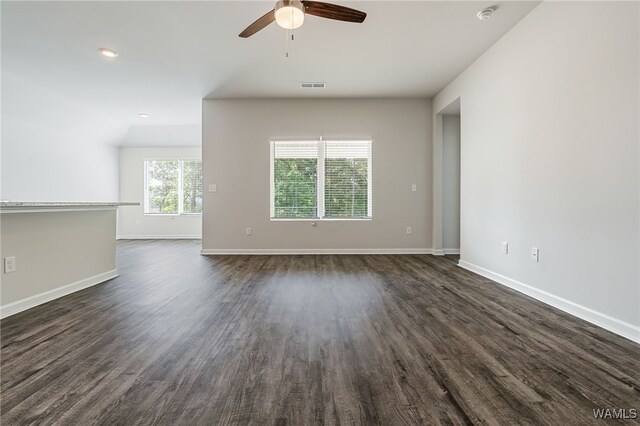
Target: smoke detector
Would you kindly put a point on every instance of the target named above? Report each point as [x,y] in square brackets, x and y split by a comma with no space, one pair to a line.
[485,14]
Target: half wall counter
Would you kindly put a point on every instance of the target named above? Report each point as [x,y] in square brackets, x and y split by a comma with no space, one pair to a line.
[52,249]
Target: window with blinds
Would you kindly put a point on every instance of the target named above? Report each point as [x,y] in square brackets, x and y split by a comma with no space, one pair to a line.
[347,178]
[294,190]
[192,186]
[321,179]
[173,187]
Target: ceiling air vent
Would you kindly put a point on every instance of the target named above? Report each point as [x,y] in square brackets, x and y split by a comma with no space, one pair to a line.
[313,85]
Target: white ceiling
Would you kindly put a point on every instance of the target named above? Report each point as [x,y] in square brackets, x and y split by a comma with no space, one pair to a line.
[173,54]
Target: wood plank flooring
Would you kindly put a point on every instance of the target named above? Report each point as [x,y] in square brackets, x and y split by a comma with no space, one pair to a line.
[183,339]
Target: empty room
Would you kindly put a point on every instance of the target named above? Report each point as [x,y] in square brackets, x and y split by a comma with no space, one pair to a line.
[301,213]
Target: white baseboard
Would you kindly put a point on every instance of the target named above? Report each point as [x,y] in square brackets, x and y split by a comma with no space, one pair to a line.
[313,251]
[160,237]
[605,321]
[33,301]
[442,252]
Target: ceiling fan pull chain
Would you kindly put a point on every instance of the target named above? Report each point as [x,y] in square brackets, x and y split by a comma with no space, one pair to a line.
[286,44]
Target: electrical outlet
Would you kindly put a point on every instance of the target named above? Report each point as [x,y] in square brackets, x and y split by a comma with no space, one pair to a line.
[414,187]
[9,264]
[248,231]
[505,247]
[535,254]
[408,230]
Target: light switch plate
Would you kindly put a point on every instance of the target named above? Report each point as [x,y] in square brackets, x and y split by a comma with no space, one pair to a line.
[505,247]
[213,187]
[535,254]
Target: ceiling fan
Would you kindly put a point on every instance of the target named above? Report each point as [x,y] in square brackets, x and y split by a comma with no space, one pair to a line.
[289,14]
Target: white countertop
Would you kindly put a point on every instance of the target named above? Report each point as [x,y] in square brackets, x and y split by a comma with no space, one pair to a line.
[44,206]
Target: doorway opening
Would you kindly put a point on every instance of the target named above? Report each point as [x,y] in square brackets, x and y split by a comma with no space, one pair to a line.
[447,168]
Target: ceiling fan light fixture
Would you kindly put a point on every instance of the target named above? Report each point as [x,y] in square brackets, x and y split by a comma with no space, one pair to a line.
[289,14]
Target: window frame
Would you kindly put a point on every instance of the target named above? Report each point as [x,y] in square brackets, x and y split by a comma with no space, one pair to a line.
[180,161]
[320,181]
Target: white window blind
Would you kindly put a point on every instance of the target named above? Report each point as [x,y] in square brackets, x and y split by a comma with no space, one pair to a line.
[295,149]
[192,186]
[294,169]
[321,179]
[347,177]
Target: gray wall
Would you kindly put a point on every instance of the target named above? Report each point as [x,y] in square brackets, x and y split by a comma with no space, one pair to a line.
[54,250]
[235,154]
[550,159]
[451,182]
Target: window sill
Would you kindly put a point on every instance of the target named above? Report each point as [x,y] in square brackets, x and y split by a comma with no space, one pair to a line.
[330,219]
[172,214]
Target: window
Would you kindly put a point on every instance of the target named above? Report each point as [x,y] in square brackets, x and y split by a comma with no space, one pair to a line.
[191,186]
[295,177]
[173,187]
[347,179]
[321,179]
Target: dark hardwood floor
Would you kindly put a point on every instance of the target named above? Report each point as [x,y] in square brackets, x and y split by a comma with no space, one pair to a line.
[182,339]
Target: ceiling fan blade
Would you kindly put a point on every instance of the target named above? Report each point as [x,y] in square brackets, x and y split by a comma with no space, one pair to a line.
[259,24]
[333,11]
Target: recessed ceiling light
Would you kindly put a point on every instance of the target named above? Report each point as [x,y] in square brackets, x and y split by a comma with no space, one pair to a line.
[143,115]
[109,53]
[485,14]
